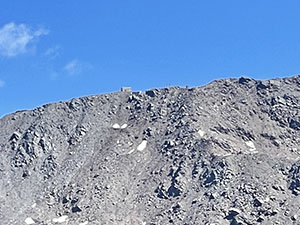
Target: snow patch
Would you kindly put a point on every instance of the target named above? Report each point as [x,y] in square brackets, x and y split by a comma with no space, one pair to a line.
[142,146]
[29,221]
[84,223]
[33,205]
[124,126]
[251,145]
[116,126]
[201,133]
[60,219]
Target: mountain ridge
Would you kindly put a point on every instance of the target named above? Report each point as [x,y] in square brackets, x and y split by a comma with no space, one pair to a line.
[223,153]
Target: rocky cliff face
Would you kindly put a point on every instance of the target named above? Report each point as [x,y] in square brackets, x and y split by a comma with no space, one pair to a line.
[224,153]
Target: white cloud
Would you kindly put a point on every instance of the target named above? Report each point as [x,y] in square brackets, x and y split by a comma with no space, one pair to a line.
[2,83]
[73,67]
[15,39]
[53,52]
[76,67]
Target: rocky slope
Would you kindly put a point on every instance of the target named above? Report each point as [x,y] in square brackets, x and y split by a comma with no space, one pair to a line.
[224,153]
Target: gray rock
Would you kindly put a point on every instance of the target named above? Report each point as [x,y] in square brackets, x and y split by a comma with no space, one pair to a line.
[64,161]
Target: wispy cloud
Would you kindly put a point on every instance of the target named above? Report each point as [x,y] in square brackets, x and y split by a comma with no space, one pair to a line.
[16,39]
[76,67]
[54,75]
[2,83]
[53,52]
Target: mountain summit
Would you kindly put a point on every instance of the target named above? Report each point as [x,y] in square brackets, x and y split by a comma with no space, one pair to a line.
[225,153]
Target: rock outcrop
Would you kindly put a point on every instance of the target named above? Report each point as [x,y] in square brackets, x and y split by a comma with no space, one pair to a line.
[224,153]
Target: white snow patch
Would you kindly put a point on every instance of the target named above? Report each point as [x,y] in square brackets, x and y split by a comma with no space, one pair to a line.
[142,146]
[33,205]
[251,145]
[116,126]
[29,221]
[84,223]
[124,126]
[201,133]
[60,219]
[131,151]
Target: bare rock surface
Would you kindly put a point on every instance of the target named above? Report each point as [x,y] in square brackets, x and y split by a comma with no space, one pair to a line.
[224,153]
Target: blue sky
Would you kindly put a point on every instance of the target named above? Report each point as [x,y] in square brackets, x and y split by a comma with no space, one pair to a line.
[56,50]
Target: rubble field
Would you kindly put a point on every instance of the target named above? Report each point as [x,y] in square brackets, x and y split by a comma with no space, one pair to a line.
[226,153]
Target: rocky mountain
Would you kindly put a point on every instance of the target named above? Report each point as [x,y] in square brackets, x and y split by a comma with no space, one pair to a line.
[225,153]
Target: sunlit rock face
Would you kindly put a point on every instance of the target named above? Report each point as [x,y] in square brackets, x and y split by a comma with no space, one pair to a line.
[224,153]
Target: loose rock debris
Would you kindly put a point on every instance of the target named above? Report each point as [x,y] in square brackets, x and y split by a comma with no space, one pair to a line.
[226,153]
